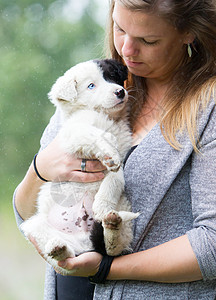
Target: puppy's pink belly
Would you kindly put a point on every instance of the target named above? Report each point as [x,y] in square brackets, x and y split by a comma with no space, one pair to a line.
[72,220]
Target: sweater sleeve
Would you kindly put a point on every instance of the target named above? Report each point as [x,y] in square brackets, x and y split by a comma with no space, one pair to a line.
[48,135]
[203,200]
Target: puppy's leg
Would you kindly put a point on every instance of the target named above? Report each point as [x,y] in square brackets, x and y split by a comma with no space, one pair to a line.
[107,152]
[108,195]
[46,237]
[118,232]
[112,224]
[89,142]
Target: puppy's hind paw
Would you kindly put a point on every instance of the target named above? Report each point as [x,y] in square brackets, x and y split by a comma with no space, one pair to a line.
[57,250]
[112,221]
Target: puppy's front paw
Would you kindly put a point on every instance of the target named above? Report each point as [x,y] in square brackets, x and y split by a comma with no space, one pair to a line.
[111,163]
[112,220]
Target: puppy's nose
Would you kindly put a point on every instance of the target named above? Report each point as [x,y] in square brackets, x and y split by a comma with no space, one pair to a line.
[120,93]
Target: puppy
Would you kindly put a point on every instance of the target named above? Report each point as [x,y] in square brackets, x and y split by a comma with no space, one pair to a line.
[72,217]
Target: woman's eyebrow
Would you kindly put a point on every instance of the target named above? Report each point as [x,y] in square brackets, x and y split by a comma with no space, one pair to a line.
[144,36]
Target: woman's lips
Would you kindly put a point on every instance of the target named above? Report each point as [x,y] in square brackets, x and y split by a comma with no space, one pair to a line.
[130,63]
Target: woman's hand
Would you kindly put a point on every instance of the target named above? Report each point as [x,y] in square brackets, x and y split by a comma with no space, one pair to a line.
[54,164]
[84,265]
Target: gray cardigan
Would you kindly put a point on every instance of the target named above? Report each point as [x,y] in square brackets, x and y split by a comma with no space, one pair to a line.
[176,193]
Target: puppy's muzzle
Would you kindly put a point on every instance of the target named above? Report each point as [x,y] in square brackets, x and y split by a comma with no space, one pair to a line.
[120,93]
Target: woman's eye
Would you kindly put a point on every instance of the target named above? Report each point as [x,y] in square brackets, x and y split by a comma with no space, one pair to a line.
[117,28]
[91,86]
[149,43]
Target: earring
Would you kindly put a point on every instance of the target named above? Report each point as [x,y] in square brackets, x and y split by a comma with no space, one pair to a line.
[189,50]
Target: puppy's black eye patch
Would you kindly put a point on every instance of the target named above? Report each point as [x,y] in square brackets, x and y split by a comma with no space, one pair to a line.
[113,70]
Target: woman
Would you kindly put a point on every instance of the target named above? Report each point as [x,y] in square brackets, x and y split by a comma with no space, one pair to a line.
[169,48]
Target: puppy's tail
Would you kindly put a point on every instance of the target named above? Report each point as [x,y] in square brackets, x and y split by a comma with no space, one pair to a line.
[97,238]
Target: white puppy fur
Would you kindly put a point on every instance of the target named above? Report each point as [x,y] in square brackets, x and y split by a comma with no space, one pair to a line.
[95,126]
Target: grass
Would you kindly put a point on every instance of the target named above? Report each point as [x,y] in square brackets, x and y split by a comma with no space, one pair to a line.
[22,270]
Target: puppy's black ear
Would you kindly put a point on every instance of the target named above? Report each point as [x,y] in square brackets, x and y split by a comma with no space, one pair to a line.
[113,70]
[121,72]
[64,89]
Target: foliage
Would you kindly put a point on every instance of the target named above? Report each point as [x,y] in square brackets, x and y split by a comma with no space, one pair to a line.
[37,45]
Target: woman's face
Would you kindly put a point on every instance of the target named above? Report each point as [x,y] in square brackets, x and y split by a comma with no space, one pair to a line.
[150,46]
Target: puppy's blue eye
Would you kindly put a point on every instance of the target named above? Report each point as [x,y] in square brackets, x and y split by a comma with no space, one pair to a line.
[91,86]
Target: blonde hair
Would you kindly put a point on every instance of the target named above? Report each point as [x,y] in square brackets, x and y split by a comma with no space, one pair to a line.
[194,83]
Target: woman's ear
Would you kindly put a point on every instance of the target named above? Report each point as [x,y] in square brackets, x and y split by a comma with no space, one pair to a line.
[189,38]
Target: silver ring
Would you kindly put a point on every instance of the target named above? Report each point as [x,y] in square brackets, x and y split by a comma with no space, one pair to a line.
[83,165]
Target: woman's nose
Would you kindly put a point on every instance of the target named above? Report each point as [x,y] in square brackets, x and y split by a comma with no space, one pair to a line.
[129,47]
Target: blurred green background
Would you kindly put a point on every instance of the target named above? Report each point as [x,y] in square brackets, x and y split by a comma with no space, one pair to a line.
[40,40]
